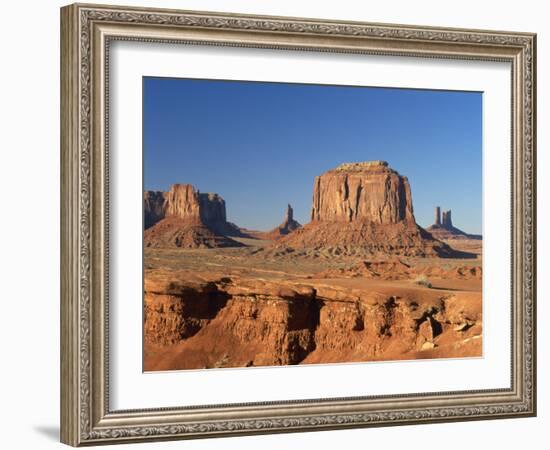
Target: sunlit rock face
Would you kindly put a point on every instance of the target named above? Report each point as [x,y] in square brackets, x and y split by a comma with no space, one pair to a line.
[184,217]
[366,191]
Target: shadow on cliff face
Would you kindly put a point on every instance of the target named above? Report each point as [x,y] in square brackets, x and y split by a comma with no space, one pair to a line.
[445,250]
[170,318]
[243,323]
[300,351]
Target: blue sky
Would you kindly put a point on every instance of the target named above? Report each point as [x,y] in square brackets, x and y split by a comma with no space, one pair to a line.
[260,145]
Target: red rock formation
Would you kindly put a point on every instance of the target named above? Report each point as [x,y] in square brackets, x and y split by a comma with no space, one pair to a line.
[176,311]
[444,229]
[212,209]
[153,207]
[437,215]
[367,191]
[446,220]
[288,226]
[181,233]
[289,223]
[182,201]
[184,217]
[362,209]
[193,323]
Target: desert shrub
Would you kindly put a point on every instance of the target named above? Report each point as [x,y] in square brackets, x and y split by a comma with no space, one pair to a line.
[422,280]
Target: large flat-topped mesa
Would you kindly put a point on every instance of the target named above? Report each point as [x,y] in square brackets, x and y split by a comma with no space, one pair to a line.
[368,191]
[362,209]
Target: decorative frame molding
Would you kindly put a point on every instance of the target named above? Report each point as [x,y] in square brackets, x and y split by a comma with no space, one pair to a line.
[86,31]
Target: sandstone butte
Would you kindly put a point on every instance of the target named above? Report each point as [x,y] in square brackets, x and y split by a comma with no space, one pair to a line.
[367,191]
[184,217]
[358,209]
[364,208]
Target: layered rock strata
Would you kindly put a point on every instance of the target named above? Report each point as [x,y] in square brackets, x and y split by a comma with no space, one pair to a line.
[209,323]
[367,191]
[183,201]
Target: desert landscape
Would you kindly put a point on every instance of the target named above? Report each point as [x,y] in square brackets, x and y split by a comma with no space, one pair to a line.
[361,281]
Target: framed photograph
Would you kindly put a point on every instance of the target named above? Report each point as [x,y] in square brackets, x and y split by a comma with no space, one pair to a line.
[275,224]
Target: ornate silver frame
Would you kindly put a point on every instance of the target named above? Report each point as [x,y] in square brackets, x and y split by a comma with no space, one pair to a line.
[86,31]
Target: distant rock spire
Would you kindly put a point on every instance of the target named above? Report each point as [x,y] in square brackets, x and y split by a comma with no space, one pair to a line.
[437,215]
[287,226]
[447,221]
[444,229]
[289,214]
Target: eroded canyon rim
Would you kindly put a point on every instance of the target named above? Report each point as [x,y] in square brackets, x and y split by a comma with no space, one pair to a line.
[362,281]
